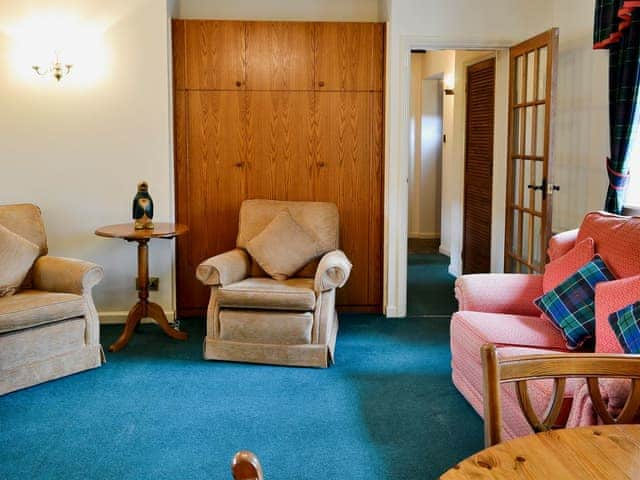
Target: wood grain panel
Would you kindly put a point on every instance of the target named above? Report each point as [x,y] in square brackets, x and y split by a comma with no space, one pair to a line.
[215,182]
[178,53]
[376,220]
[279,56]
[478,178]
[344,176]
[378,63]
[215,55]
[345,54]
[280,145]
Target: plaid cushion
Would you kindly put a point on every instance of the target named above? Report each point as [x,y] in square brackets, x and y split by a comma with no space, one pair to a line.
[570,305]
[626,325]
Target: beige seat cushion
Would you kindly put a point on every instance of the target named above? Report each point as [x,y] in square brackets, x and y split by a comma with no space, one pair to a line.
[275,328]
[283,247]
[293,294]
[29,308]
[17,255]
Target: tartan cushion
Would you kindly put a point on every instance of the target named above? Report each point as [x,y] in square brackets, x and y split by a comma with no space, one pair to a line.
[626,325]
[570,306]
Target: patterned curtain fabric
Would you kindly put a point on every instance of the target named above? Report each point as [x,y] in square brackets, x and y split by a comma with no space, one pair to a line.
[617,28]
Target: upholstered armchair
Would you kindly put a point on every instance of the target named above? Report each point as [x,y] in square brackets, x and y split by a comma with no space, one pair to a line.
[255,318]
[49,328]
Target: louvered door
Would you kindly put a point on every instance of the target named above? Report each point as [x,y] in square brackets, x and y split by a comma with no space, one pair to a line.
[478,178]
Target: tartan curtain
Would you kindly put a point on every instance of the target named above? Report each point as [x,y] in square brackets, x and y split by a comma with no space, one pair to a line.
[617,28]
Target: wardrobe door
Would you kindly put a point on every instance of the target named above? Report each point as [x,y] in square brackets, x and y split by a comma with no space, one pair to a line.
[344,178]
[347,56]
[279,56]
[215,52]
[376,200]
[280,146]
[214,184]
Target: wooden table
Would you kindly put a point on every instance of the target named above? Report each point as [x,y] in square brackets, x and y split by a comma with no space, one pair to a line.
[606,452]
[144,308]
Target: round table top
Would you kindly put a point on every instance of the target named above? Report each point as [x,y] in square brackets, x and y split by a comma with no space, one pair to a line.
[128,232]
[604,452]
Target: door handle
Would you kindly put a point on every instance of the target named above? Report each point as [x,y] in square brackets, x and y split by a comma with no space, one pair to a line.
[535,187]
[320,164]
[239,164]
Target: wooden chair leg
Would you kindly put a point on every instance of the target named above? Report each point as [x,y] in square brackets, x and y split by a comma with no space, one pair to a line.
[246,466]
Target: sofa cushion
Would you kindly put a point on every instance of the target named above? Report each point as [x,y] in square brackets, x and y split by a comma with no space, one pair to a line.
[293,294]
[617,241]
[626,325]
[17,255]
[562,268]
[283,247]
[29,308]
[571,305]
[611,297]
[277,328]
[477,328]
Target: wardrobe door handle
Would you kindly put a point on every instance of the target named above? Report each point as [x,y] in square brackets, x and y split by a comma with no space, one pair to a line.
[238,83]
[321,83]
[320,164]
[238,164]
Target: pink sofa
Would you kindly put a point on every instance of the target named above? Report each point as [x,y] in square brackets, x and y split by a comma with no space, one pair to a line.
[499,309]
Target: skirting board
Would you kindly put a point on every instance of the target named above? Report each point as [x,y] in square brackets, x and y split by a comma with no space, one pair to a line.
[118,317]
[444,251]
[424,236]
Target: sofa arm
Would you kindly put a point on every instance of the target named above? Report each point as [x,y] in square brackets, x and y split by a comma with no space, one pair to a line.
[561,243]
[223,269]
[65,275]
[333,271]
[511,293]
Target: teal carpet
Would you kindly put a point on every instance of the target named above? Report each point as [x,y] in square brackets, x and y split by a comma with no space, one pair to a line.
[156,410]
[429,286]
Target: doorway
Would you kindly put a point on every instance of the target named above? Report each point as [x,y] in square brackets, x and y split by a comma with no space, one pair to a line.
[438,129]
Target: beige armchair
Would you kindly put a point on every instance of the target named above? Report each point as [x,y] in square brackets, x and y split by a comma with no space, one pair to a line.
[254,318]
[50,327]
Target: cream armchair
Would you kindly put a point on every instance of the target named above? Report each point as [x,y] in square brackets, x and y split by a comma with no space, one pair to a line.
[50,327]
[254,318]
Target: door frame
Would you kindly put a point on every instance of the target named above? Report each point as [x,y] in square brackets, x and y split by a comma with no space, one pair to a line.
[396,187]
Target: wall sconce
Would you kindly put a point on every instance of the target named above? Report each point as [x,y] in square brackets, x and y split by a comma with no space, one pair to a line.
[56,69]
[448,82]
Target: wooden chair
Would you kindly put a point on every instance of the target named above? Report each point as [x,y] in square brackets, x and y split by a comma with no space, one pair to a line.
[558,367]
[246,466]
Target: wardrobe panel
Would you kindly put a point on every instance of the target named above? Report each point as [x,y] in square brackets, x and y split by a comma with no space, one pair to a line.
[344,177]
[215,55]
[279,56]
[280,145]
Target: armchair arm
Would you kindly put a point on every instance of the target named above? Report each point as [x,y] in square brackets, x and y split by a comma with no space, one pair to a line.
[223,269]
[65,275]
[561,243]
[333,271]
[511,293]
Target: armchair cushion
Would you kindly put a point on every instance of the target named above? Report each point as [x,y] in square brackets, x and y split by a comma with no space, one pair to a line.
[333,271]
[511,293]
[65,275]
[224,269]
[30,308]
[17,255]
[283,247]
[266,293]
[562,268]
[611,297]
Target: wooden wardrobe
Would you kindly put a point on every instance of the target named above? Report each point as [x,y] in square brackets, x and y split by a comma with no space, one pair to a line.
[284,111]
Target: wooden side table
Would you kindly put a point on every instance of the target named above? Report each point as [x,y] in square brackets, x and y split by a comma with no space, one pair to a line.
[144,308]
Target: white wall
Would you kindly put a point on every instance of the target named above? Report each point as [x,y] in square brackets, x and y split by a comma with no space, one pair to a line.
[306,10]
[78,148]
[425,160]
[582,116]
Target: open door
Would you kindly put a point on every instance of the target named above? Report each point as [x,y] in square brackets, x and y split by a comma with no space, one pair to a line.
[530,187]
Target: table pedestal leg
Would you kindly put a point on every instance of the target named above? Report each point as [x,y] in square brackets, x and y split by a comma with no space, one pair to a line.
[144,308]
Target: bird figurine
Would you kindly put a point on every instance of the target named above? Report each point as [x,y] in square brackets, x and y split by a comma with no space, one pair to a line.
[143,208]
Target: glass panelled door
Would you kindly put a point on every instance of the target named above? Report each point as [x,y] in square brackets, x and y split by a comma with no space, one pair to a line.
[530,189]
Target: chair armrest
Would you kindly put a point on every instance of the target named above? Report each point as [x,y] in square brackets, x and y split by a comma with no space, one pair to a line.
[223,269]
[511,293]
[333,271]
[561,243]
[65,275]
